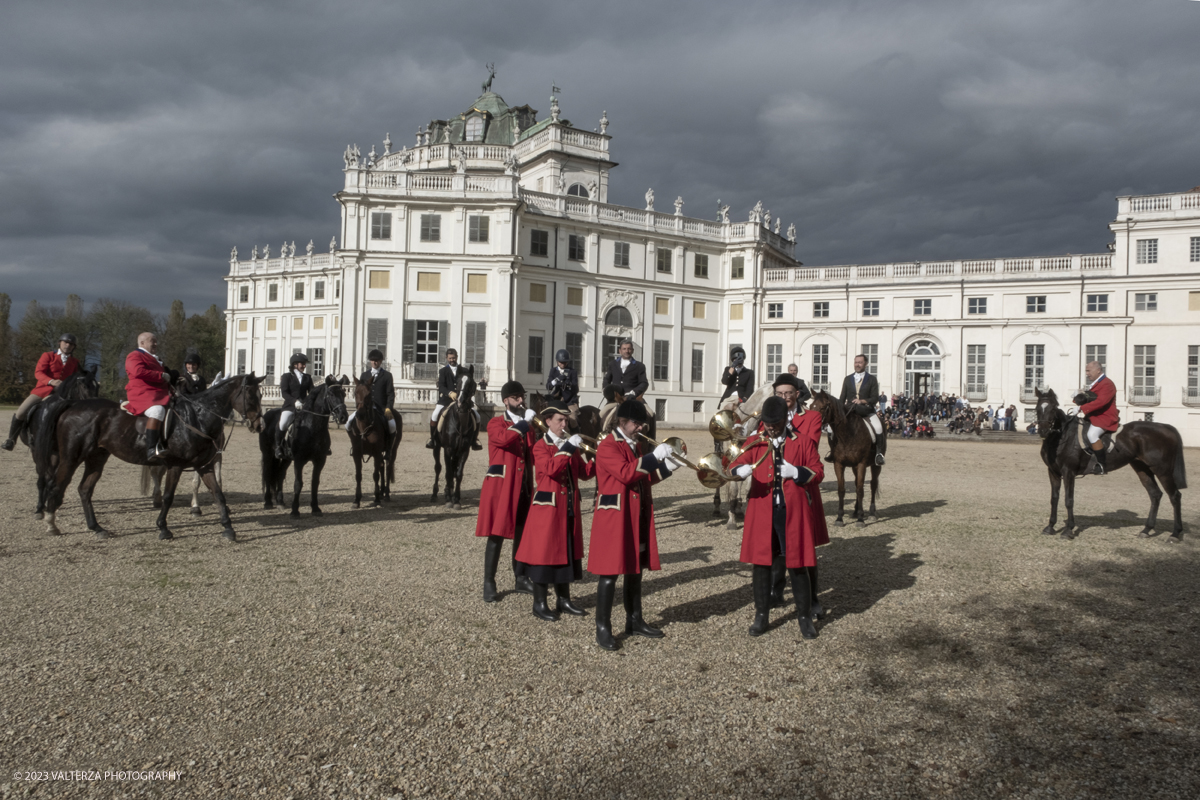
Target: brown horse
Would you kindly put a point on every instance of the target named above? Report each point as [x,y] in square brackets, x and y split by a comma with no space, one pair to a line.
[369,439]
[89,431]
[589,416]
[1153,449]
[852,447]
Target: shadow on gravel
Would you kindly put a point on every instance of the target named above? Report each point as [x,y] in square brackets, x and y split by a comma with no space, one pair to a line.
[859,571]
[715,605]
[902,511]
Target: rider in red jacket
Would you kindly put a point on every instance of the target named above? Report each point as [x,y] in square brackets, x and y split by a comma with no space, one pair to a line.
[52,369]
[148,391]
[1101,413]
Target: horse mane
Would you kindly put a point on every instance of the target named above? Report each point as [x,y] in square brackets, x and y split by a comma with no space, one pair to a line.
[753,403]
[839,413]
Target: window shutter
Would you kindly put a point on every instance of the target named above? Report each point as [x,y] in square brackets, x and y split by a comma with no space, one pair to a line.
[443,340]
[408,349]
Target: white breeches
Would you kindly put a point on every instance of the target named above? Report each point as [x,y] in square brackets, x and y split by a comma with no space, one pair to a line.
[1094,433]
[156,412]
[391,423]
[285,419]
[436,410]
[875,424]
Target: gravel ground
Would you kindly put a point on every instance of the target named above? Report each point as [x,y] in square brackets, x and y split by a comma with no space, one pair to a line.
[965,654]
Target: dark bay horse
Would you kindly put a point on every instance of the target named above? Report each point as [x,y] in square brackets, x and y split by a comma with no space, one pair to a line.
[309,444]
[589,416]
[455,439]
[369,439]
[852,447]
[1153,449]
[89,431]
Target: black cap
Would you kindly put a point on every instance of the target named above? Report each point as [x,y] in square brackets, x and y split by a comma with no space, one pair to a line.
[193,358]
[298,358]
[562,357]
[736,350]
[632,410]
[774,411]
[375,355]
[68,337]
[512,389]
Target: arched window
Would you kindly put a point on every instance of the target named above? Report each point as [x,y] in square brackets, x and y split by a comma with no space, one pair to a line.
[922,368]
[923,347]
[474,129]
[619,317]
[578,190]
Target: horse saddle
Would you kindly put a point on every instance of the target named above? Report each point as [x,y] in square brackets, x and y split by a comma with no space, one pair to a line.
[1108,437]
[139,421]
[441,421]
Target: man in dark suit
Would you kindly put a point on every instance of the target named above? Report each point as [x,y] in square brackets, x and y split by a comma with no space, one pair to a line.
[563,385]
[294,386]
[383,392]
[447,389]
[627,374]
[860,393]
[738,378]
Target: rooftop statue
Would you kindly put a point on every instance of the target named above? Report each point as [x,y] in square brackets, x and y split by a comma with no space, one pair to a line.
[650,199]
[756,212]
[487,85]
[791,232]
[722,212]
[233,255]
[777,221]
[603,121]
[310,248]
[679,206]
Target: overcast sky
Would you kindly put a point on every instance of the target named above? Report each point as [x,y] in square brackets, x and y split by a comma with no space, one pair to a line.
[140,141]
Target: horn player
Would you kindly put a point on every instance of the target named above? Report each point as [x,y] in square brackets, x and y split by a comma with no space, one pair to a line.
[780,517]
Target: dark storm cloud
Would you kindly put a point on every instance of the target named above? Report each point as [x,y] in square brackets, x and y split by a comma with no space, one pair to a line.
[139,142]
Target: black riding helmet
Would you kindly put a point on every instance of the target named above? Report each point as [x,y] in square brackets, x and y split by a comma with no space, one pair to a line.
[298,358]
[193,358]
[68,337]
[563,357]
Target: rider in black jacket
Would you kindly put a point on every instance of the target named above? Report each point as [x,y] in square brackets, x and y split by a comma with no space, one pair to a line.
[447,383]
[294,387]
[738,378]
[563,384]
[191,381]
[383,392]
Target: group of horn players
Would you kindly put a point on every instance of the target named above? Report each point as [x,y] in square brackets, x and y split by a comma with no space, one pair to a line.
[531,497]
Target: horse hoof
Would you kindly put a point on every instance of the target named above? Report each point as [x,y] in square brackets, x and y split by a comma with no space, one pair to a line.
[196,511]
[449,504]
[165,535]
[1145,534]
[1048,530]
[39,515]
[355,505]
[229,535]
[1176,538]
[458,506]
[294,514]
[269,506]
[53,531]
[316,512]
[1067,533]
[860,524]
[839,523]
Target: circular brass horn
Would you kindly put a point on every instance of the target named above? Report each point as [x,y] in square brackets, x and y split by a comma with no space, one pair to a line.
[721,426]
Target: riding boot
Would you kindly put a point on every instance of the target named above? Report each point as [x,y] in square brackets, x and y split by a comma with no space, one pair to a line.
[475,445]
[880,449]
[1101,456]
[634,623]
[802,589]
[761,582]
[565,606]
[522,584]
[432,436]
[491,559]
[152,437]
[829,458]
[605,593]
[778,581]
[14,433]
[818,610]
[540,609]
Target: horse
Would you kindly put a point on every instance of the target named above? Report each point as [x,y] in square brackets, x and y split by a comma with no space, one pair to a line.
[455,437]
[730,493]
[589,423]
[77,386]
[310,443]
[89,431]
[368,433]
[1153,449]
[852,447]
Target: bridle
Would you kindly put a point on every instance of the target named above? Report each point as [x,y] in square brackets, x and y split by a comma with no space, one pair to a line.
[201,409]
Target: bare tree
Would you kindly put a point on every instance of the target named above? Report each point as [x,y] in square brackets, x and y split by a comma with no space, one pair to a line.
[115,325]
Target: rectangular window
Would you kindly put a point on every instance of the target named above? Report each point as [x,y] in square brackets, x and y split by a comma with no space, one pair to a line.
[698,310]
[821,309]
[1145,302]
[380,279]
[660,410]
[737,270]
[976,368]
[476,283]
[535,354]
[698,363]
[976,305]
[662,359]
[1095,352]
[377,335]
[426,341]
[1097,302]
[429,281]
[272,292]
[701,266]
[662,259]
[318,323]
[270,367]
[316,362]
[271,324]
[1195,249]
[1035,304]
[871,351]
[475,345]
[319,290]
[381,225]
[870,308]
[662,306]
[774,361]
[298,323]
[698,407]
[539,243]
[299,291]
[244,294]
[1193,373]
[621,254]
[337,290]
[575,296]
[1147,251]
[610,348]
[1144,366]
[774,310]
[241,362]
[575,348]
[242,325]
[537,292]
[335,322]
[735,310]
[576,248]
[922,308]
[820,367]
[1035,366]
[431,227]
[478,229]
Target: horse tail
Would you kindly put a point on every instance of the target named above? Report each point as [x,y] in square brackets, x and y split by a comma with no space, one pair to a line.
[145,484]
[1180,469]
[45,443]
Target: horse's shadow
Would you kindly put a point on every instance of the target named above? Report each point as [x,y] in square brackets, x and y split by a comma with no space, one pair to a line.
[903,511]
[859,571]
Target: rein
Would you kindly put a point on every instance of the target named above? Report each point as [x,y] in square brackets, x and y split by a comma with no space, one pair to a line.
[223,443]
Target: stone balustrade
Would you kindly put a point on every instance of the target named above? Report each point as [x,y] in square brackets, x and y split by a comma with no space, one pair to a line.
[1159,205]
[304,263]
[430,184]
[995,269]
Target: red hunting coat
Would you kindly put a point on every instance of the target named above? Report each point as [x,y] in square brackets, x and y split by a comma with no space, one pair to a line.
[1102,412]
[508,462]
[807,424]
[50,367]
[614,548]
[800,528]
[558,475]
[147,386]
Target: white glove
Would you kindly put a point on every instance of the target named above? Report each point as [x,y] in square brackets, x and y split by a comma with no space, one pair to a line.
[662,451]
[672,464]
[576,440]
[529,414]
[299,405]
[744,471]
[554,383]
[788,471]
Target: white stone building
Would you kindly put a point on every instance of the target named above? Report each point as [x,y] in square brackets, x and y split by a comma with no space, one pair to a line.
[492,235]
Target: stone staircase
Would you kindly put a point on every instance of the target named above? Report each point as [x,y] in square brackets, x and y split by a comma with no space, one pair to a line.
[1010,437]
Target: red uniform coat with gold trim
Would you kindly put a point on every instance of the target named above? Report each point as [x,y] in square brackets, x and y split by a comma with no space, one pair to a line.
[558,475]
[808,424]
[147,386]
[800,528]
[614,548]
[508,461]
[1102,412]
[50,367]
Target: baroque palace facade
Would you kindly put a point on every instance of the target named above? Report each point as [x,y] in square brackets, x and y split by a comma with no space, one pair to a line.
[493,235]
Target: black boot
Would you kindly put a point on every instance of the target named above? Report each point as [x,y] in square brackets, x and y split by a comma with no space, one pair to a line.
[279,437]
[432,436]
[761,581]
[605,593]
[829,458]
[475,445]
[818,610]
[152,438]
[565,606]
[802,589]
[540,609]
[14,433]
[1099,467]
[634,623]
[879,459]
[491,559]
[778,581]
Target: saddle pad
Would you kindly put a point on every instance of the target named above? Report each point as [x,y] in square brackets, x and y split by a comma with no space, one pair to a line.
[1112,437]
[441,423]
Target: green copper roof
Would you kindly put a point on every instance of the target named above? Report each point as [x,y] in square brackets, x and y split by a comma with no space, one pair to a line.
[490,102]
